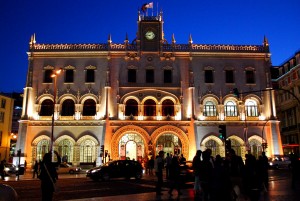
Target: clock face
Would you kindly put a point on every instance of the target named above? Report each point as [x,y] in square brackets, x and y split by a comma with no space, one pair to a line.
[149,35]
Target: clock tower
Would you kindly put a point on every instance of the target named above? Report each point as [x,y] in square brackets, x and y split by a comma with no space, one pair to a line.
[150,32]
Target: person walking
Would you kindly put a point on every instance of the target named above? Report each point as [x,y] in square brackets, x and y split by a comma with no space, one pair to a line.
[196,168]
[174,176]
[158,166]
[168,165]
[35,169]
[182,160]
[205,175]
[2,174]
[48,177]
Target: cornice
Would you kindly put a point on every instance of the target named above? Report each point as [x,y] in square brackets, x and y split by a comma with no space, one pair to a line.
[67,123]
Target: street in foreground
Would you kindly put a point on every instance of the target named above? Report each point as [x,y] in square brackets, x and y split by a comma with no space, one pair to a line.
[77,187]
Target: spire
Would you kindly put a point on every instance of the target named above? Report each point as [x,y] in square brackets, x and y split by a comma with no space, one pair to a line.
[266,44]
[32,39]
[190,39]
[173,39]
[126,38]
[109,39]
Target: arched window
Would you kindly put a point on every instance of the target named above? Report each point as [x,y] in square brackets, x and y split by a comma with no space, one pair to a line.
[210,109]
[236,146]
[65,150]
[169,143]
[214,146]
[149,108]
[46,108]
[251,108]
[42,148]
[87,151]
[167,108]
[230,109]
[131,108]
[255,147]
[89,107]
[68,108]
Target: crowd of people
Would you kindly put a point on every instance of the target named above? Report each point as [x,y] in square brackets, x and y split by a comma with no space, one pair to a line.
[216,178]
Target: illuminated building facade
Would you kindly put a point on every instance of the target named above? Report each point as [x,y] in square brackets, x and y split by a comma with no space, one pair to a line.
[286,77]
[132,99]
[6,113]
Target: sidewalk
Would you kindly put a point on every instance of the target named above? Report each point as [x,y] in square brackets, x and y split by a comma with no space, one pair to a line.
[279,190]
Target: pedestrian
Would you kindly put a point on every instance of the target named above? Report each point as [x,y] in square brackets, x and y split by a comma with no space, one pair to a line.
[48,177]
[174,176]
[151,165]
[182,160]
[35,169]
[25,166]
[158,166]
[205,175]
[263,169]
[2,169]
[196,168]
[168,165]
[220,183]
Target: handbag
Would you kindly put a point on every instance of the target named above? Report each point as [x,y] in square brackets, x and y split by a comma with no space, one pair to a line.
[55,187]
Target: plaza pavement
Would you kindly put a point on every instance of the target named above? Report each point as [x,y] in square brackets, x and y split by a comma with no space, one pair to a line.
[279,190]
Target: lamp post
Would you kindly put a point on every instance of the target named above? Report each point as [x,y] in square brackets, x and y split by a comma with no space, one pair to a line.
[54,76]
[262,137]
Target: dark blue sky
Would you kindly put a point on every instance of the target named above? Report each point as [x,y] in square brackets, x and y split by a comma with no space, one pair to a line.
[91,21]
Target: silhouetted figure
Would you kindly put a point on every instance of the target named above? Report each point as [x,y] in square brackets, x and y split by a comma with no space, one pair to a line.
[295,166]
[196,168]
[48,176]
[174,177]
[168,165]
[182,160]
[235,167]
[221,186]
[205,175]
[158,166]
[2,173]
[263,166]
[151,165]
[251,179]
[35,169]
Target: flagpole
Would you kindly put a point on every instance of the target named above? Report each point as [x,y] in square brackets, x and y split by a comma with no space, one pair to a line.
[157,9]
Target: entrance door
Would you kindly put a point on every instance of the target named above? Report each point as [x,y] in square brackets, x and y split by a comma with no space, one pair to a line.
[131,146]
[169,143]
[131,149]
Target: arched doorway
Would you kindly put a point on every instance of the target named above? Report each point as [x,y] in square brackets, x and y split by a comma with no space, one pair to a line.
[132,147]
[169,143]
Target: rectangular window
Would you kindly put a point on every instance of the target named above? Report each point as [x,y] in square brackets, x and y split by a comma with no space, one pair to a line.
[209,77]
[1,116]
[149,76]
[131,73]
[69,76]
[3,103]
[47,76]
[167,76]
[229,76]
[90,75]
[250,79]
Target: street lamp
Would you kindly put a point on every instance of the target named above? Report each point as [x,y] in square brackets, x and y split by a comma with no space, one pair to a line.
[54,76]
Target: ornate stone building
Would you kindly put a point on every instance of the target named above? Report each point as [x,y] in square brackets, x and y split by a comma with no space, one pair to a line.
[286,77]
[6,135]
[132,99]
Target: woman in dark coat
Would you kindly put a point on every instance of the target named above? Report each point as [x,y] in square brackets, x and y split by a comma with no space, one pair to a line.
[48,177]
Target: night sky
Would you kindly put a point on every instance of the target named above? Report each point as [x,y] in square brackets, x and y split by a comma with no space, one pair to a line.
[239,22]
